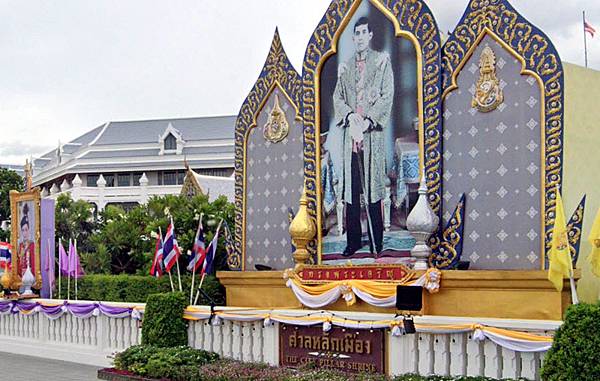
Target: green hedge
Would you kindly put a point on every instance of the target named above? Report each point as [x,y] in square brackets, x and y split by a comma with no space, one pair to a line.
[575,353]
[155,362]
[136,289]
[183,363]
[164,325]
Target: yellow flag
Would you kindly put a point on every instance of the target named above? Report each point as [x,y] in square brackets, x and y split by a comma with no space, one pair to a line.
[594,239]
[561,264]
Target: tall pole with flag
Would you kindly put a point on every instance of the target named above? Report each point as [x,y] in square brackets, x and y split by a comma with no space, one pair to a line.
[63,265]
[157,262]
[208,263]
[594,239]
[198,256]
[587,28]
[561,263]
[171,251]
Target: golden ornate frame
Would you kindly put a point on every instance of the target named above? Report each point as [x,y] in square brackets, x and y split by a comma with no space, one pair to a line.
[412,20]
[15,198]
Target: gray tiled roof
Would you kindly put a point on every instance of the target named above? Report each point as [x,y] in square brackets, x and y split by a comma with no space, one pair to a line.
[148,131]
[99,144]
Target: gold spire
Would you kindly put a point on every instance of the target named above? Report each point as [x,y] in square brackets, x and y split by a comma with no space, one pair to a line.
[302,230]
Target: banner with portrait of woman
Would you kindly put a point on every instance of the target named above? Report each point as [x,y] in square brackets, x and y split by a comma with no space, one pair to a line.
[25,217]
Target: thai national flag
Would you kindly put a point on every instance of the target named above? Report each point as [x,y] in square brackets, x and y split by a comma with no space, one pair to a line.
[171,250]
[157,262]
[199,250]
[5,255]
[211,251]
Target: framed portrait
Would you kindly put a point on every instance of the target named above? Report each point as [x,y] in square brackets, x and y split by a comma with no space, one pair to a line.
[25,236]
[370,141]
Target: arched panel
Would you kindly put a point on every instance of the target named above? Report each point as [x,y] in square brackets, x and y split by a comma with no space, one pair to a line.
[503,142]
[275,151]
[400,30]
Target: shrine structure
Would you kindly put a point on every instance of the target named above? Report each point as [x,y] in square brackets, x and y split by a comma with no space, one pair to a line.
[416,161]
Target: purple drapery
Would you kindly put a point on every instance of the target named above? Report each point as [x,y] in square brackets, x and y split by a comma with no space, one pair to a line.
[80,310]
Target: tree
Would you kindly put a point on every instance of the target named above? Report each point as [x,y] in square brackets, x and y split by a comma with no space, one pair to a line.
[75,220]
[9,180]
[119,242]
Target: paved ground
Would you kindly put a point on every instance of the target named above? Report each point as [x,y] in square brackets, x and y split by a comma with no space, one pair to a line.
[25,368]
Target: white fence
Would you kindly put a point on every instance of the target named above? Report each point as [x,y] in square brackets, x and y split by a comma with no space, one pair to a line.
[86,341]
[92,340]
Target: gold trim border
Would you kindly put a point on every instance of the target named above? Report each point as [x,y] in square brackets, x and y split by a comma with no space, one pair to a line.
[428,145]
[15,198]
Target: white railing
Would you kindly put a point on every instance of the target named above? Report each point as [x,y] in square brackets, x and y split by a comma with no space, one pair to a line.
[87,341]
[423,353]
[92,340]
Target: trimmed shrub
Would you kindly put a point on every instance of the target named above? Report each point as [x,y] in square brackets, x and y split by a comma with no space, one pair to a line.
[164,325]
[575,353]
[171,363]
[136,289]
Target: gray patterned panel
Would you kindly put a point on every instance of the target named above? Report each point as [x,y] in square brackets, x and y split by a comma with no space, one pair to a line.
[495,159]
[274,183]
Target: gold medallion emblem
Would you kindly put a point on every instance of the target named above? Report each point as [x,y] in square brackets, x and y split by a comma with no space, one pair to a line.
[488,94]
[277,128]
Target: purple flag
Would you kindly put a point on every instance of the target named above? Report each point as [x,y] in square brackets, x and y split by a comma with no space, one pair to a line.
[63,260]
[75,269]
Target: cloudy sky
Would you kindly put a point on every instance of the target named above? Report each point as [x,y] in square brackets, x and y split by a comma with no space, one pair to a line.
[68,66]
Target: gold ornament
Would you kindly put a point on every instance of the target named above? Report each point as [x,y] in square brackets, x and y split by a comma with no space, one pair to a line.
[488,94]
[302,230]
[6,280]
[597,243]
[277,127]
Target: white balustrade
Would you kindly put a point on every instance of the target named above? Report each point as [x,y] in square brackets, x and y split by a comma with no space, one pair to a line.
[84,340]
[92,340]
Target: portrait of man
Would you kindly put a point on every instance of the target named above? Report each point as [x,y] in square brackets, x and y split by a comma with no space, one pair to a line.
[26,241]
[369,139]
[363,99]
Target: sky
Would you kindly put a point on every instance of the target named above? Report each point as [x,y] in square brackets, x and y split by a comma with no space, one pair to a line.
[71,65]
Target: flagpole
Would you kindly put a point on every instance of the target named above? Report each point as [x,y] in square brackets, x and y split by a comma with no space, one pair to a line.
[168,272]
[204,273]
[76,273]
[177,260]
[193,279]
[69,272]
[179,276]
[48,271]
[585,41]
[199,287]
[194,267]
[59,268]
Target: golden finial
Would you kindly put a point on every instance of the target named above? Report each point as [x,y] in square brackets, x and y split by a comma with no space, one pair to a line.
[302,230]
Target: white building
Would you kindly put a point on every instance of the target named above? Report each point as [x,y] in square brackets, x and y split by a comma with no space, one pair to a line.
[125,163]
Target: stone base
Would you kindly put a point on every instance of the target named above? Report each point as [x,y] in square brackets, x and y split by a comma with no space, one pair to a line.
[483,294]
